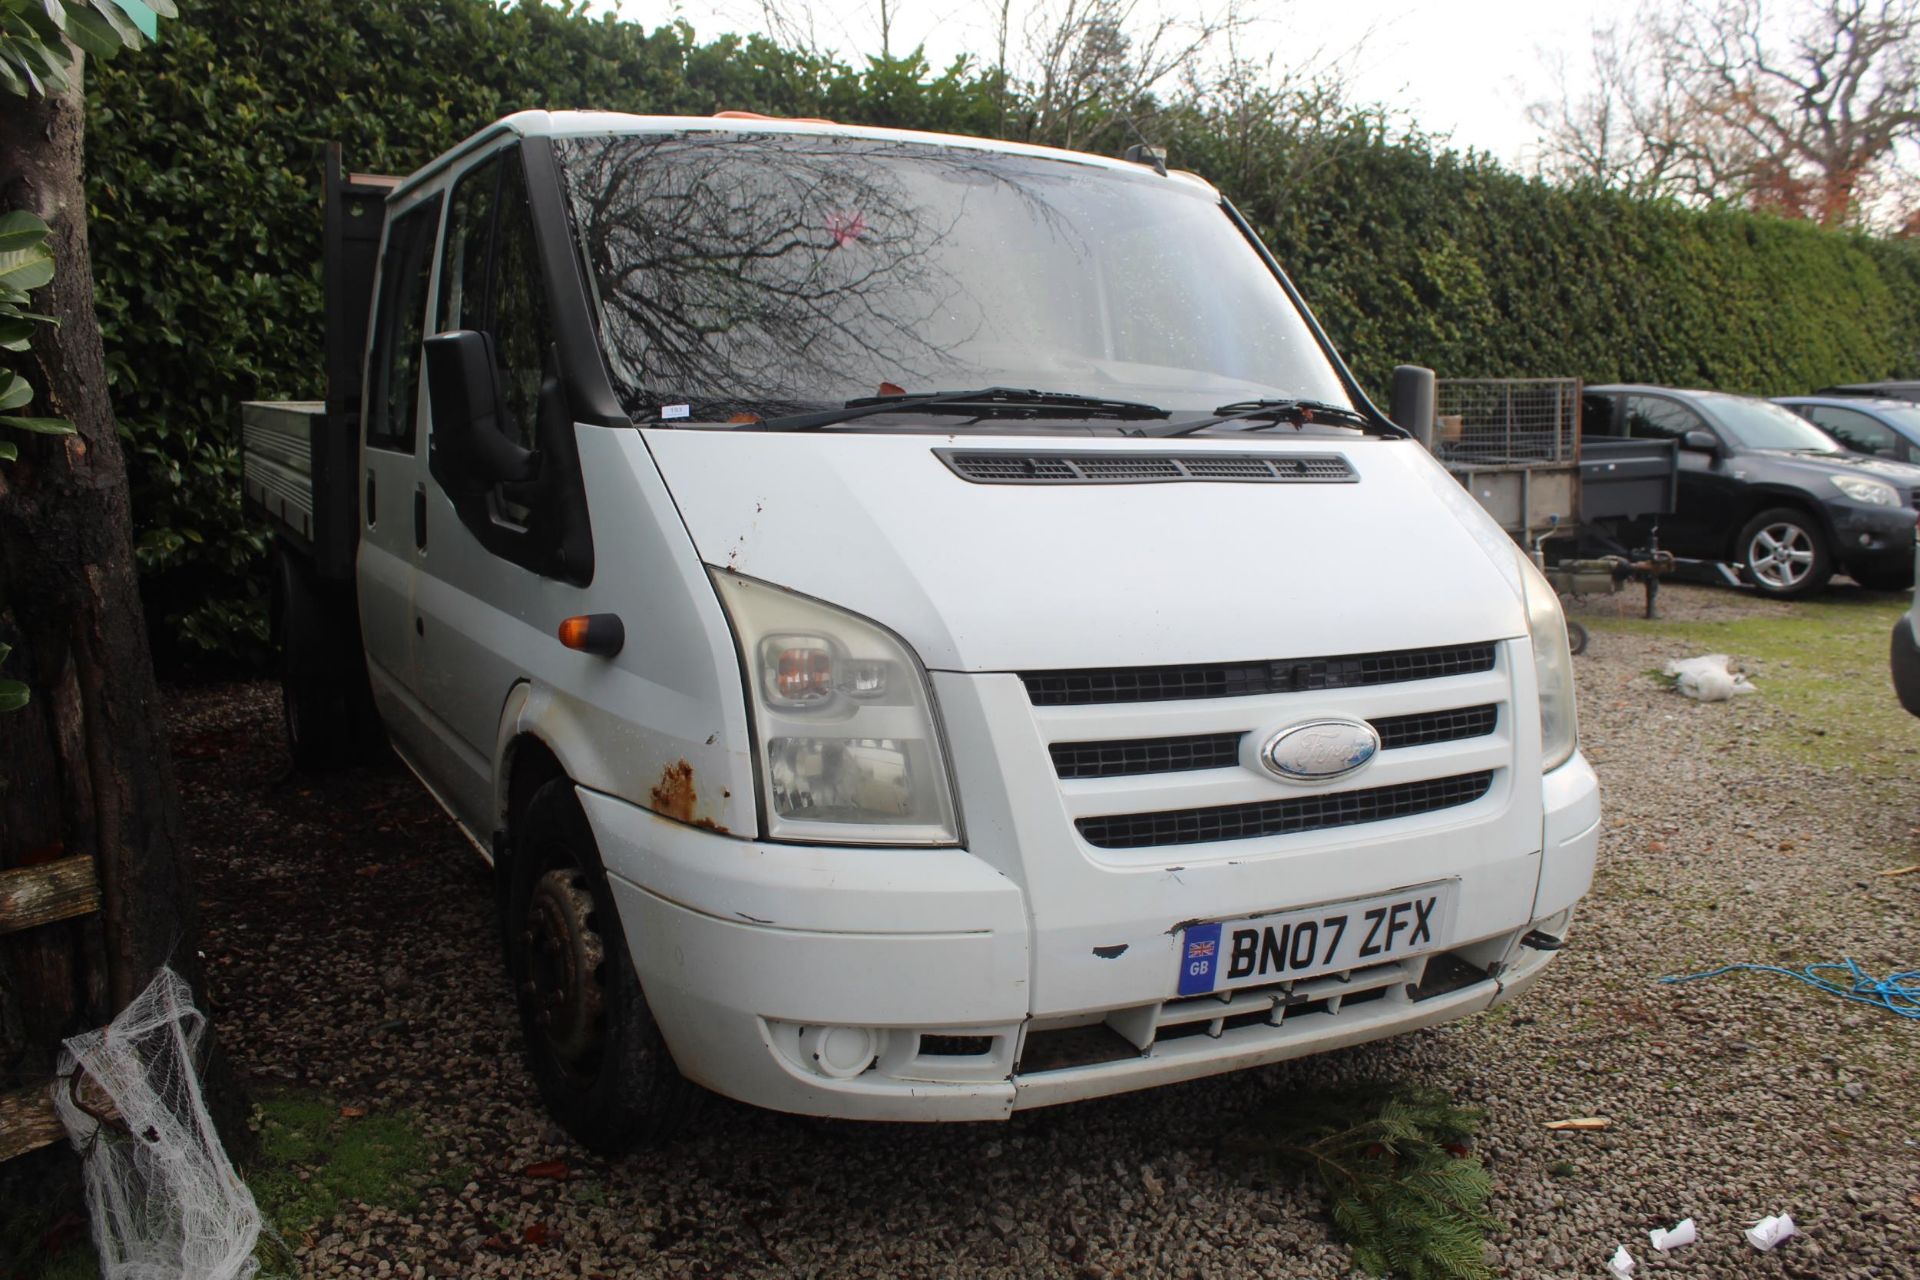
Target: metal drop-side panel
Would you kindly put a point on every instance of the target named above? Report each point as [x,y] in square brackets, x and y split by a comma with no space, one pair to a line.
[297,463]
[1010,466]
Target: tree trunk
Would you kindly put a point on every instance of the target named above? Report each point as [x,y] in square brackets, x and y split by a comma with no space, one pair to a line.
[84,767]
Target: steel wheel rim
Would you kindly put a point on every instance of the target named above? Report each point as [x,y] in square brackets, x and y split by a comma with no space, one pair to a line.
[565,968]
[1780,555]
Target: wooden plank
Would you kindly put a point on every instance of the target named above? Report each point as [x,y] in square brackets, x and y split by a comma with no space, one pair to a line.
[58,890]
[28,1122]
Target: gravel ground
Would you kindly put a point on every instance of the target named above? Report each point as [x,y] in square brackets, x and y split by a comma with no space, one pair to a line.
[351,949]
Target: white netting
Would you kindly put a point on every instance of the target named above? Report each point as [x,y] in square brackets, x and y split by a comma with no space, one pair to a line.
[166,1203]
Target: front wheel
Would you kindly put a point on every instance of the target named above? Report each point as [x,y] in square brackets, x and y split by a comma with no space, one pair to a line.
[603,1068]
[1784,553]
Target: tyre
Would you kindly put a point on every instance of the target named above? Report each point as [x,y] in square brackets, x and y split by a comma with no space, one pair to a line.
[1784,553]
[1576,637]
[313,701]
[595,1051]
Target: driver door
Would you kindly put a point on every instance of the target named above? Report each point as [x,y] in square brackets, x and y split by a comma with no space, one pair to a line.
[1699,523]
[495,573]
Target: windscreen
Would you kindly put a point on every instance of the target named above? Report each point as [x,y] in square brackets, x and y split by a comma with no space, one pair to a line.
[1760,425]
[1904,418]
[767,273]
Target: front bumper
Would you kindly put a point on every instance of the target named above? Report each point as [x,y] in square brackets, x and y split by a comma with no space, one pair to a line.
[742,947]
[1877,540]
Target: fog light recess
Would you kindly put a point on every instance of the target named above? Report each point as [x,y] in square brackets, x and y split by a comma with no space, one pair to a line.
[840,1053]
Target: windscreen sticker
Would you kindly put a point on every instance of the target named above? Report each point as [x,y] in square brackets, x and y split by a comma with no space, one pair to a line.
[846,226]
[671,411]
[1199,959]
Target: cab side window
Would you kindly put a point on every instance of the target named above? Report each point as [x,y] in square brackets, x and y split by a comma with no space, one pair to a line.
[393,375]
[1854,430]
[492,283]
[1596,414]
[1657,418]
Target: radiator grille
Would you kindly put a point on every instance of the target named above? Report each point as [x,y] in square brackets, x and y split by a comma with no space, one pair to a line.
[1242,679]
[1283,817]
[1434,726]
[1125,757]
[984,466]
[1146,755]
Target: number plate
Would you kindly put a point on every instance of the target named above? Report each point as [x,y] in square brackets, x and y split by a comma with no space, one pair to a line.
[1282,946]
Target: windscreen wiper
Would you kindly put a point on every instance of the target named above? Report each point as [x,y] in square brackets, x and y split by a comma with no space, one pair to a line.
[1299,412]
[985,402]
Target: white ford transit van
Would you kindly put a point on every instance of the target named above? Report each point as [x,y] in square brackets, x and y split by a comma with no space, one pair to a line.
[923,627]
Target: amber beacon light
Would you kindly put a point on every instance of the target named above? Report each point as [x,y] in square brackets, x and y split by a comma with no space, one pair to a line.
[596,633]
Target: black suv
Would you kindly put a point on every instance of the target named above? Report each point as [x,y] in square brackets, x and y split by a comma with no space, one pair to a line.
[1767,491]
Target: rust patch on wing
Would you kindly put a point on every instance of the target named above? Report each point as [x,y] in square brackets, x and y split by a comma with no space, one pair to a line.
[673,795]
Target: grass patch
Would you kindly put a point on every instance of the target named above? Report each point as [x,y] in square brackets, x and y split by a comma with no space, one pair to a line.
[313,1160]
[1822,668]
[1404,1191]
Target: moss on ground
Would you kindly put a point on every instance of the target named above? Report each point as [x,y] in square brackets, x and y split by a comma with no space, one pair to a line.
[1822,669]
[315,1158]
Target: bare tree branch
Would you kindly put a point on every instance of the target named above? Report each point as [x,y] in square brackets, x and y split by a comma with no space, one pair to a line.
[1725,100]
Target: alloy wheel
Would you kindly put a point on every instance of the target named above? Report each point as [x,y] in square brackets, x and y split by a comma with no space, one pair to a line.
[1780,556]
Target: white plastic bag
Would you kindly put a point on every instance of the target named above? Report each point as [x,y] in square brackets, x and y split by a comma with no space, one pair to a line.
[1706,678]
[166,1203]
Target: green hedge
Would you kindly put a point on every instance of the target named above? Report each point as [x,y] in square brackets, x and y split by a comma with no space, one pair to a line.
[206,233]
[1411,255]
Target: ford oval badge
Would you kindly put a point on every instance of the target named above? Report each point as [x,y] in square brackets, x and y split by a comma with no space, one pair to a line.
[1320,750]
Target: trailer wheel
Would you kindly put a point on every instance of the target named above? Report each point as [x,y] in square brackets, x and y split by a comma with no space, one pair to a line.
[1784,553]
[602,1066]
[313,696]
[1576,636]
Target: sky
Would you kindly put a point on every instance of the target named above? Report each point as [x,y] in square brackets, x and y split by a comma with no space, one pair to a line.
[1467,70]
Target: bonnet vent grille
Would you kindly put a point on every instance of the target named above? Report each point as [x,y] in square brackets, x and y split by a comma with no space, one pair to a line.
[999,466]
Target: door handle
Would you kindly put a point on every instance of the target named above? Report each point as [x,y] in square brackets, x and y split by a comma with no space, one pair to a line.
[370,504]
[420,517]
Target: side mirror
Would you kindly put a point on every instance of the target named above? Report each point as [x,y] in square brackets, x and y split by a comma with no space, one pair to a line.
[471,453]
[1412,400]
[1700,441]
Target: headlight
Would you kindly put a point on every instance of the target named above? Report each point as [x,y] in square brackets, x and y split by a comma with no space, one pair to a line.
[843,724]
[1552,667]
[1872,492]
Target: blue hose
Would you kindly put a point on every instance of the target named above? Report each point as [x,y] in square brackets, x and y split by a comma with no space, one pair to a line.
[1898,994]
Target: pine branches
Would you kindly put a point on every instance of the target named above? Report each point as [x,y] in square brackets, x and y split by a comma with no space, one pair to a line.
[1403,1190]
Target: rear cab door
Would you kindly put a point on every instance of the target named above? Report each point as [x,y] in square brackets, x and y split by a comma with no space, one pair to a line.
[387,561]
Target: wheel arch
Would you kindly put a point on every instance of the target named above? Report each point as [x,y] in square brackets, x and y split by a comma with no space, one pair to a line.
[1768,499]
[527,757]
